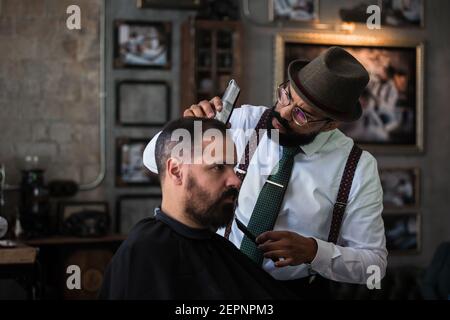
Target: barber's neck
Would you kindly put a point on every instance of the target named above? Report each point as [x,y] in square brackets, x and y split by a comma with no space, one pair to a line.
[176,210]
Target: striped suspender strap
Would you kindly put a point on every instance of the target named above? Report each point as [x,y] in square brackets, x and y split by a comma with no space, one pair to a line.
[344,190]
[250,148]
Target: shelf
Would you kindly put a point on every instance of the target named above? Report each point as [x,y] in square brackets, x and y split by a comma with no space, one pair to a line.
[19,255]
[204,69]
[61,240]
[210,50]
[230,50]
[225,70]
[204,92]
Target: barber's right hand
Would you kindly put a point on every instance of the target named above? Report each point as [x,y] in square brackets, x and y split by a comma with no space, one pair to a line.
[204,109]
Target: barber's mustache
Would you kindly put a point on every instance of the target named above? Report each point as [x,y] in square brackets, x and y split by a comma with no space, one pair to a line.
[280,119]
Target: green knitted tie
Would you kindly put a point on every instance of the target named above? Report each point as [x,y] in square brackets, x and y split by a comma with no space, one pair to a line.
[269,203]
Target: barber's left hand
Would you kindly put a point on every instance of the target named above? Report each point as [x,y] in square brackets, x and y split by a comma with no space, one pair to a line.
[292,247]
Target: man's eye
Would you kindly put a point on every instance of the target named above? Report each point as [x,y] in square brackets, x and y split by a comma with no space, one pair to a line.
[218,167]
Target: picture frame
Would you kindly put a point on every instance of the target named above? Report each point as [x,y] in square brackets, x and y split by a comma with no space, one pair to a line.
[142,103]
[66,209]
[142,44]
[401,187]
[404,14]
[130,209]
[388,125]
[403,232]
[130,169]
[295,11]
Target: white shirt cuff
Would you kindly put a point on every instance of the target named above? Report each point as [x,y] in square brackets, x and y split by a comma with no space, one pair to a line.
[325,253]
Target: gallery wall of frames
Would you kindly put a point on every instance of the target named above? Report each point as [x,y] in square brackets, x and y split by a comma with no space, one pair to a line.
[142,48]
[146,45]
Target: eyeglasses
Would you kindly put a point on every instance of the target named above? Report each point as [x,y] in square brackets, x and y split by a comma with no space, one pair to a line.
[299,116]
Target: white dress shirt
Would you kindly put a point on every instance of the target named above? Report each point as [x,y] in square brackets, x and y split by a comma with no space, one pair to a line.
[309,199]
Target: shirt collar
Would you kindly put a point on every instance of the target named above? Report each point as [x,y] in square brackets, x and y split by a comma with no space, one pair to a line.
[182,229]
[318,143]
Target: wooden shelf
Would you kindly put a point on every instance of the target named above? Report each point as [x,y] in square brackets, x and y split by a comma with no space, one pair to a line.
[61,240]
[18,255]
[204,69]
[225,70]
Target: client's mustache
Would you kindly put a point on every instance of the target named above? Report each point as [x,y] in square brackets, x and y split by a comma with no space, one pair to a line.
[231,192]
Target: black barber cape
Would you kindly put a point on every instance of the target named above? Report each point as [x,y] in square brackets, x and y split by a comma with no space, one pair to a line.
[165,259]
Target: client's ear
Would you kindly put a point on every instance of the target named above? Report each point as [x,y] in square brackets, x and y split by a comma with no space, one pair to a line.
[174,172]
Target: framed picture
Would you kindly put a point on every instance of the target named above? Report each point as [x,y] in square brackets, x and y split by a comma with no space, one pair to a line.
[400,187]
[401,13]
[392,119]
[296,10]
[132,209]
[139,44]
[171,4]
[130,169]
[142,103]
[394,13]
[67,209]
[402,232]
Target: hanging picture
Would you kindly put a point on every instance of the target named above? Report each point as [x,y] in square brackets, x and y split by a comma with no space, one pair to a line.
[130,169]
[400,187]
[296,10]
[402,232]
[393,13]
[142,103]
[392,119]
[131,209]
[142,44]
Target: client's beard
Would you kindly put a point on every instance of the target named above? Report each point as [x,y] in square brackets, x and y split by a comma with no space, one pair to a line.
[291,138]
[207,212]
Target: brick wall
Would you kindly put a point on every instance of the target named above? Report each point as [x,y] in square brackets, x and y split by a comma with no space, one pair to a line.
[49,88]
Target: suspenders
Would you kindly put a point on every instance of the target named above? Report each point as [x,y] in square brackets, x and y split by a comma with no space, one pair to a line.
[250,148]
[344,188]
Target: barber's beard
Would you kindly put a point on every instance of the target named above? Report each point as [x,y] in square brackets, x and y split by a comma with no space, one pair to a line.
[291,138]
[207,210]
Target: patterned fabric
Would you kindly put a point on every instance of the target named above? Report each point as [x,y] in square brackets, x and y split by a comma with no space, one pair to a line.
[250,148]
[344,190]
[269,203]
[247,157]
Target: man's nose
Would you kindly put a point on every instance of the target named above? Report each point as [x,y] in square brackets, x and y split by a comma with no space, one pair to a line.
[286,112]
[233,180]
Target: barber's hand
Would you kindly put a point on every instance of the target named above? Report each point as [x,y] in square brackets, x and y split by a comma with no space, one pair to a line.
[292,247]
[204,109]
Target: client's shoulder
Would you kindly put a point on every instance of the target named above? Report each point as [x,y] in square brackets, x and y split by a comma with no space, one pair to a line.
[149,234]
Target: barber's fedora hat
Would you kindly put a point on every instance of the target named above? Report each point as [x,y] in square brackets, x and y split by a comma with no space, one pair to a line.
[332,83]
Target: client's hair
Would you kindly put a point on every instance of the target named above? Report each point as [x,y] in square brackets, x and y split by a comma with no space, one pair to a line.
[165,144]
